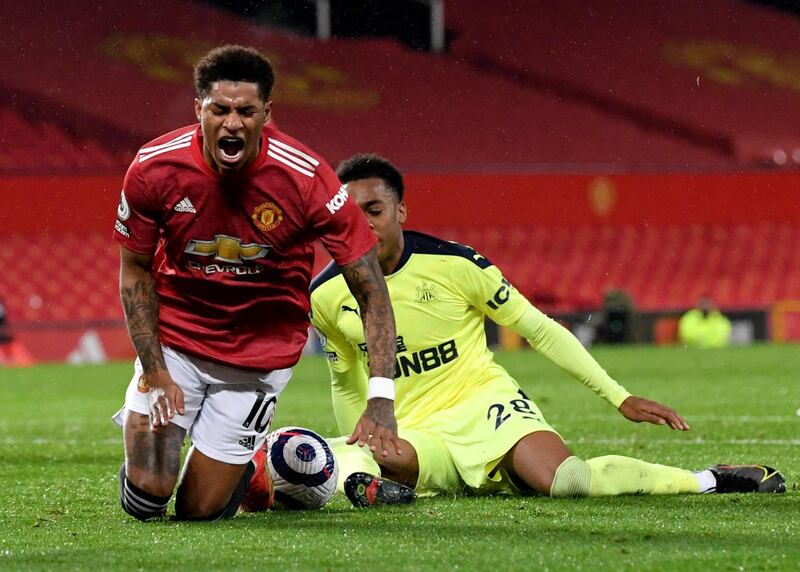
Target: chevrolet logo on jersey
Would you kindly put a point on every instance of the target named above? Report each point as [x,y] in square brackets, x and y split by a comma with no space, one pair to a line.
[228,249]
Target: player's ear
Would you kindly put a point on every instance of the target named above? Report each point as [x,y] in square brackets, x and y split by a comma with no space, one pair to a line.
[267,111]
[198,107]
[402,212]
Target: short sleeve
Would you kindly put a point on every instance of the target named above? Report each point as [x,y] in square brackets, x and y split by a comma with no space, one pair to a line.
[336,219]
[138,215]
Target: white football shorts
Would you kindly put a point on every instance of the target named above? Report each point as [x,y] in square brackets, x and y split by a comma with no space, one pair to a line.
[228,411]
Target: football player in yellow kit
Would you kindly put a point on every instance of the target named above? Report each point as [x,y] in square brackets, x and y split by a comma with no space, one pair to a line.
[464,422]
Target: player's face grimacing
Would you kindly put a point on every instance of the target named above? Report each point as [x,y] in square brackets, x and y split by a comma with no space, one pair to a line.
[231,117]
[385,215]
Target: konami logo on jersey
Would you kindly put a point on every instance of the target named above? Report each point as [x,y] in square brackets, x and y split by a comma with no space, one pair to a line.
[228,249]
[338,200]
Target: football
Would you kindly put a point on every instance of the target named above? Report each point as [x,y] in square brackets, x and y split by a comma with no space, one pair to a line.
[302,467]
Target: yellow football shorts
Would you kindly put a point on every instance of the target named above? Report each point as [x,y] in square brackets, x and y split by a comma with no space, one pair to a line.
[460,448]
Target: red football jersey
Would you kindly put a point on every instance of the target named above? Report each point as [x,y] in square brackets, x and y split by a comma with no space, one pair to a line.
[234,253]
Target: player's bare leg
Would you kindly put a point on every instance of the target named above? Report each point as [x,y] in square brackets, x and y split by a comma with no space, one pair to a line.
[152,464]
[210,489]
[535,459]
[402,468]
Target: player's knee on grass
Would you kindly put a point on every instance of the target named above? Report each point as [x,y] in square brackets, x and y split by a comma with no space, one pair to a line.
[572,479]
[204,508]
[211,507]
[400,468]
[139,503]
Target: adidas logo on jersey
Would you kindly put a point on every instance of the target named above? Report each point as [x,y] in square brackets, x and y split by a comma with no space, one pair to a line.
[185,206]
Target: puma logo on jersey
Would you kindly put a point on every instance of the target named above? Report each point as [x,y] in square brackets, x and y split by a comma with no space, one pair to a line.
[185,206]
[349,309]
[338,200]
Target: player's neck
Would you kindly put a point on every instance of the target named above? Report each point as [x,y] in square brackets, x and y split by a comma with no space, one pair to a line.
[389,264]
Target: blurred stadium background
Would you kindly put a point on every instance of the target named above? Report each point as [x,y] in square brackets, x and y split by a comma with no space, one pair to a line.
[652,148]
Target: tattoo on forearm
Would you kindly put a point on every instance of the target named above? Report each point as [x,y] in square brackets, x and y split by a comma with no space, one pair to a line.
[381,411]
[365,280]
[140,304]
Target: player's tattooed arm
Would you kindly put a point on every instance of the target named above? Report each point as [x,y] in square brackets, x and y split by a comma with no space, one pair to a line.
[140,303]
[137,289]
[365,280]
[364,277]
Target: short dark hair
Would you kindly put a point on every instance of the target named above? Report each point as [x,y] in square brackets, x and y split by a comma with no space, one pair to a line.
[369,166]
[234,63]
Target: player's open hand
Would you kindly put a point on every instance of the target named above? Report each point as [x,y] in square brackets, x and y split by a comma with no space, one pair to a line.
[639,409]
[164,397]
[377,427]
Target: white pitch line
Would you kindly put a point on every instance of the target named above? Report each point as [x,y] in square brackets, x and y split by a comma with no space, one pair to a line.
[72,442]
[715,418]
[11,441]
[696,441]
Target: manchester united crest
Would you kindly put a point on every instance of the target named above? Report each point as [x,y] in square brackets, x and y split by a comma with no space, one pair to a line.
[267,216]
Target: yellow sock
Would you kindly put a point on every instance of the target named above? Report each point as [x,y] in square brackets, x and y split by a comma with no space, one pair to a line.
[352,459]
[616,475]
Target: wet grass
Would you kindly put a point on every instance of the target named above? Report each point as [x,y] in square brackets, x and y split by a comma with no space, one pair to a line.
[59,454]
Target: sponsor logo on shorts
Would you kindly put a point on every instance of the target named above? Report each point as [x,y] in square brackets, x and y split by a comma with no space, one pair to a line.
[122,229]
[248,442]
[337,201]
[332,356]
[142,386]
[267,216]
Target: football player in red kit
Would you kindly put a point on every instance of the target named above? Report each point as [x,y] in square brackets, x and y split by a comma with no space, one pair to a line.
[216,225]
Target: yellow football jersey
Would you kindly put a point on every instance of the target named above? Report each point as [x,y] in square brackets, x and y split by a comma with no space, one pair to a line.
[440,293]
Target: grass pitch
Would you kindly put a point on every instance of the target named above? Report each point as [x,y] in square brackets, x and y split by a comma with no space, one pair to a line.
[59,455]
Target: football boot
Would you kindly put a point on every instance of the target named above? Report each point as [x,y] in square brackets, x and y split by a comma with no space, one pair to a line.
[365,490]
[748,479]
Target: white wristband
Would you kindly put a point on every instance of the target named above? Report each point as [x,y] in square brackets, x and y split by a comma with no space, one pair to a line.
[380,387]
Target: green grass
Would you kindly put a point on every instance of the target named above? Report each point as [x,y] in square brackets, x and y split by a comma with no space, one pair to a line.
[59,455]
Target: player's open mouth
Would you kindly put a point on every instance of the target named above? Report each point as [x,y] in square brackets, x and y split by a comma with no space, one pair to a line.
[231,149]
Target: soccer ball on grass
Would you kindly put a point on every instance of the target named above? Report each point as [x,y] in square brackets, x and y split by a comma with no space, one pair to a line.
[302,467]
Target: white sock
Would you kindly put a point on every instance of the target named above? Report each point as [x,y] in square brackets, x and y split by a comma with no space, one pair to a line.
[707,480]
